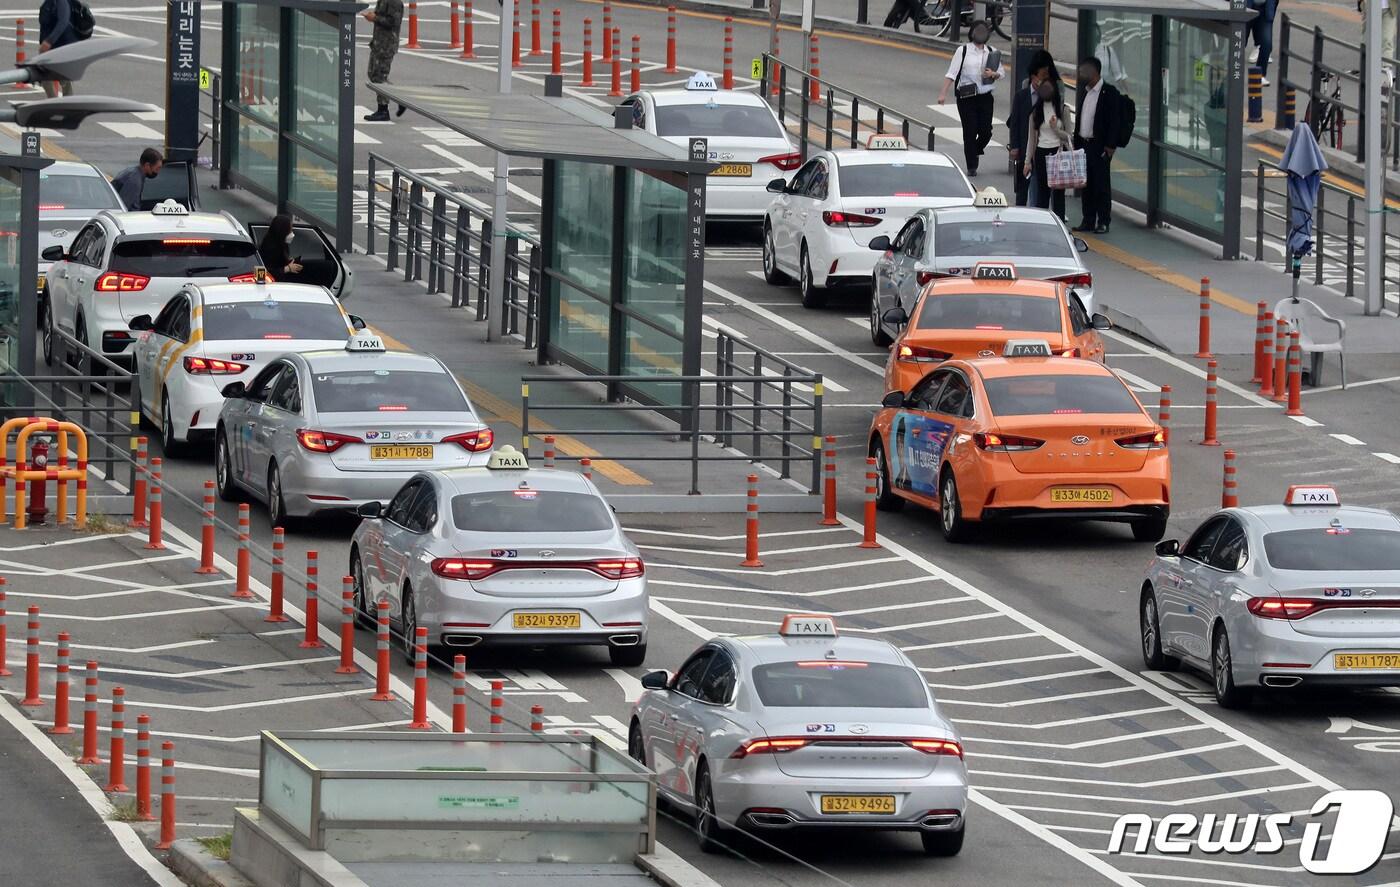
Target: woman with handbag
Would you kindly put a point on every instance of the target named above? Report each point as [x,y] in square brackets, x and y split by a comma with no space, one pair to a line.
[1047,135]
[973,75]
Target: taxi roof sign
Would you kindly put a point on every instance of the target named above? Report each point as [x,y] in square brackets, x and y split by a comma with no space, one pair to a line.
[701,81]
[364,342]
[989,197]
[993,271]
[507,457]
[1026,348]
[808,625]
[1311,494]
[882,142]
[170,207]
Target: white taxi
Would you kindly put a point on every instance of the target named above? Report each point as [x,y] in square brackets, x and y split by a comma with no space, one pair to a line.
[819,226]
[744,134]
[209,336]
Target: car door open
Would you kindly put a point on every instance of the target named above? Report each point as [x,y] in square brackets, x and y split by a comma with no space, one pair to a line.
[320,264]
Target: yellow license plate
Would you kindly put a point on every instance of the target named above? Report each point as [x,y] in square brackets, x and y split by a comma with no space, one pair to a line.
[1386,661]
[547,620]
[42,281]
[1081,494]
[857,803]
[734,169]
[400,452]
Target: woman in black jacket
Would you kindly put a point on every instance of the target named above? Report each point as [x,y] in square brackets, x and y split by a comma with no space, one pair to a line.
[276,250]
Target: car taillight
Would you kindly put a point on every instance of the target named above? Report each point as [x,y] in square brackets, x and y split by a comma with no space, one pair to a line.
[936,746]
[1281,607]
[1085,279]
[250,277]
[323,441]
[1150,440]
[113,282]
[209,366]
[835,218]
[1005,443]
[918,354]
[466,568]
[768,746]
[926,277]
[1071,352]
[473,441]
[785,162]
[624,568]
[457,568]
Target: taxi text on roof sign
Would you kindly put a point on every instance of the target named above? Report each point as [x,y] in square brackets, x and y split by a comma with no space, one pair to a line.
[169,207]
[507,457]
[1311,494]
[1026,348]
[807,625]
[879,142]
[701,80]
[989,197]
[364,342]
[994,271]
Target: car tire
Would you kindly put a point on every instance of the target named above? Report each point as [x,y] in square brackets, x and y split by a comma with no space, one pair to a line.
[1222,673]
[636,746]
[878,336]
[813,296]
[1149,529]
[628,657]
[771,273]
[364,616]
[944,843]
[709,831]
[408,623]
[277,502]
[1150,630]
[885,497]
[950,518]
[223,469]
[46,332]
[172,447]
[81,334]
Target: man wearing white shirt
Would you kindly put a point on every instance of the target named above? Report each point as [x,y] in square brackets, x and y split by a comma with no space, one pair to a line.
[973,75]
[1096,133]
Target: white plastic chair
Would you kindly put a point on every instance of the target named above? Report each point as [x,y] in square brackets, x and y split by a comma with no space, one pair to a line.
[1319,333]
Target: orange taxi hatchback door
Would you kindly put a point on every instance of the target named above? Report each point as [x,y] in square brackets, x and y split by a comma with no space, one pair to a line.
[1079,418]
[978,324]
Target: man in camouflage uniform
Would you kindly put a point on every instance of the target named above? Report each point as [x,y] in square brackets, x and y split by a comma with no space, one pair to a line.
[386,17]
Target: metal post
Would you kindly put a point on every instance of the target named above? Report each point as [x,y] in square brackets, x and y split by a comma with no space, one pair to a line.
[369,209]
[499,205]
[1259,192]
[1280,112]
[1374,179]
[391,259]
[1351,247]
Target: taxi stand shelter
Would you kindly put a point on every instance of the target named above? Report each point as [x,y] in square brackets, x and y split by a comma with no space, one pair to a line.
[1182,63]
[19,256]
[622,231]
[287,106]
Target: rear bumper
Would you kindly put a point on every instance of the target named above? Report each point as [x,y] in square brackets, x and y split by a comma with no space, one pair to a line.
[799,799]
[1125,514]
[1268,652]
[460,617]
[737,202]
[310,485]
[999,491]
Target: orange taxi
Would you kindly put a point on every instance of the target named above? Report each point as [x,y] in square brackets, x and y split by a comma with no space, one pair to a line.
[1028,434]
[975,317]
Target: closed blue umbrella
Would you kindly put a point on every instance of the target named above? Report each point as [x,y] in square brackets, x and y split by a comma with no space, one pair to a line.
[1304,163]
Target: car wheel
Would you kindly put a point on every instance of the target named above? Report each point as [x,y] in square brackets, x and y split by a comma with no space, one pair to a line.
[771,274]
[628,657]
[709,831]
[276,501]
[1149,529]
[81,335]
[171,445]
[636,746]
[812,295]
[1222,673]
[950,519]
[409,621]
[223,469]
[46,326]
[885,498]
[878,335]
[1151,631]
[366,617]
[944,843]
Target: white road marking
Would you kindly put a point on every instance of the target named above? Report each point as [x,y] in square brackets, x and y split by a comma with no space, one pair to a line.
[1306,422]
[1173,360]
[1014,682]
[1348,439]
[796,329]
[128,129]
[1136,382]
[996,663]
[631,687]
[734,589]
[1388,457]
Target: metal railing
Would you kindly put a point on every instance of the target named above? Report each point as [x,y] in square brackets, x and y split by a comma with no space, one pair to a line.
[430,230]
[210,118]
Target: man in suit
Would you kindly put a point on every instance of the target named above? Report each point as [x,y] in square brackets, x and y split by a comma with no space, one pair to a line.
[1018,121]
[1096,132]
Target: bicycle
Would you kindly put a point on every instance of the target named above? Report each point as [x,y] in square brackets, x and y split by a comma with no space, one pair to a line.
[1328,119]
[941,14]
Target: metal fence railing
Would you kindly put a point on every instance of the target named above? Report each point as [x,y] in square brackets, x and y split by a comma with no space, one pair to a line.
[746,407]
[437,236]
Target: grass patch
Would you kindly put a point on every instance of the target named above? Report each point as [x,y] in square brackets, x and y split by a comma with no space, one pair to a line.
[124,812]
[101,524]
[218,846]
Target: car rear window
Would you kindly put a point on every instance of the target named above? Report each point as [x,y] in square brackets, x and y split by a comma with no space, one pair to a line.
[273,321]
[999,237]
[1333,549]
[530,511]
[989,311]
[1059,395]
[902,180]
[841,685]
[58,192]
[386,391]
[733,121]
[192,256]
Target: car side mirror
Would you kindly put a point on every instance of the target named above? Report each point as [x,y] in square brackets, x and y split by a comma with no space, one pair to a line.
[893,400]
[140,323]
[52,254]
[1099,322]
[234,390]
[371,509]
[880,244]
[357,322]
[655,680]
[1080,245]
[777,186]
[896,316]
[1168,548]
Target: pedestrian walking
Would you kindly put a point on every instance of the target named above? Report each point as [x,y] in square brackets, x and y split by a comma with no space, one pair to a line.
[1097,109]
[905,10]
[128,182]
[386,16]
[55,30]
[1261,30]
[1019,120]
[973,75]
[1049,132]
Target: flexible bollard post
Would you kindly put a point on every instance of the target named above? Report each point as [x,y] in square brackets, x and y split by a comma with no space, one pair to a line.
[536,48]
[751,526]
[1295,376]
[167,795]
[1255,92]
[556,50]
[1260,337]
[468,33]
[381,657]
[1203,326]
[636,63]
[728,81]
[776,74]
[587,53]
[537,719]
[242,588]
[548,451]
[347,626]
[143,768]
[586,464]
[1209,438]
[869,540]
[616,89]
[206,535]
[420,680]
[814,91]
[4,641]
[279,544]
[89,755]
[19,49]
[412,25]
[311,640]
[454,22]
[607,31]
[116,749]
[61,726]
[1290,106]
[829,484]
[138,488]
[156,530]
[515,37]
[1266,364]
[1280,363]
[670,41]
[498,706]
[459,693]
[1164,413]
[31,661]
[1229,486]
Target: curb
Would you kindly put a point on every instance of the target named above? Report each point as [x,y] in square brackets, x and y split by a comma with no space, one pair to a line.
[671,871]
[200,868]
[1337,161]
[1132,326]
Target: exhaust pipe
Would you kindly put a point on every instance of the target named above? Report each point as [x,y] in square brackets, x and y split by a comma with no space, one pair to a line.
[461,640]
[771,820]
[1282,680]
[625,640]
[942,820]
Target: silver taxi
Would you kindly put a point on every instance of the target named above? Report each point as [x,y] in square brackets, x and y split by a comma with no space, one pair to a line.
[803,728]
[1304,593]
[503,554]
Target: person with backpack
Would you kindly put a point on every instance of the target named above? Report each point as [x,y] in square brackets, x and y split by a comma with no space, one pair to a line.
[62,22]
[1097,132]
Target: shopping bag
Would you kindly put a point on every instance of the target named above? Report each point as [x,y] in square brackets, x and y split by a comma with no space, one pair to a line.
[1067,169]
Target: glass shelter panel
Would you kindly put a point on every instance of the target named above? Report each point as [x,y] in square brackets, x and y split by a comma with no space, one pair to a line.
[1123,43]
[313,182]
[583,250]
[315,73]
[654,285]
[257,105]
[1194,95]
[9,270]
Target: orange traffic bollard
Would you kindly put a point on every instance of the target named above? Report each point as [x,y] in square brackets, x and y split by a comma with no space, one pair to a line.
[548,451]
[1164,413]
[1266,362]
[459,693]
[607,31]
[776,74]
[31,661]
[454,22]
[537,718]
[347,626]
[670,40]
[206,538]
[814,90]
[381,656]
[616,89]
[556,51]
[1229,487]
[636,63]
[60,693]
[420,680]
[515,37]
[829,483]
[1280,364]
[535,46]
[1203,326]
[1209,439]
[19,49]
[279,544]
[311,640]
[116,763]
[587,53]
[468,34]
[156,529]
[242,585]
[751,526]
[143,768]
[1261,336]
[869,540]
[138,488]
[412,25]
[586,466]
[89,754]
[167,795]
[728,82]
[498,706]
[1295,376]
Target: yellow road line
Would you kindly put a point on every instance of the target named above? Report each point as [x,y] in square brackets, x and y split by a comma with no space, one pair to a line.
[1181,281]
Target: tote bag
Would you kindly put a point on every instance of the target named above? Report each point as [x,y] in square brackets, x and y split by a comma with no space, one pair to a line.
[1067,169]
